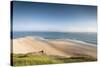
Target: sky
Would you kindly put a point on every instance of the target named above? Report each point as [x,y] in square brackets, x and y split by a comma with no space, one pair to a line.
[32,16]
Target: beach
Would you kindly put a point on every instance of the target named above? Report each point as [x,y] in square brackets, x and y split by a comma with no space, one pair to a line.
[51,33]
[64,48]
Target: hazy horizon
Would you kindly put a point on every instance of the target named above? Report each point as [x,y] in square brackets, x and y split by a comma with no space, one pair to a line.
[55,31]
[31,16]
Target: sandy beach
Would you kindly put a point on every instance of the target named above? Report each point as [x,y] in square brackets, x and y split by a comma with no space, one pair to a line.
[52,47]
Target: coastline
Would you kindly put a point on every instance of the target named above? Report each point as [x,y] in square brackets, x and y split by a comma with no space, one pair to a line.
[52,47]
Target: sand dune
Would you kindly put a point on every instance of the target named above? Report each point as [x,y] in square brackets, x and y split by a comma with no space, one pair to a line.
[52,47]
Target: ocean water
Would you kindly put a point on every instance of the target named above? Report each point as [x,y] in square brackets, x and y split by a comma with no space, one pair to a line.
[79,36]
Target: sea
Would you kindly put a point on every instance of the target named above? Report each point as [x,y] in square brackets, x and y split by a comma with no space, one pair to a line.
[88,37]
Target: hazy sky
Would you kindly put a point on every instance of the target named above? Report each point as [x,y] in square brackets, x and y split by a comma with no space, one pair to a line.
[30,16]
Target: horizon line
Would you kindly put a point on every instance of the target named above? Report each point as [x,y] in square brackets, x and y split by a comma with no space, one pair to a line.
[57,31]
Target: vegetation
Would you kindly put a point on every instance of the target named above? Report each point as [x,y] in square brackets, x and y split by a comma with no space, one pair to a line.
[37,59]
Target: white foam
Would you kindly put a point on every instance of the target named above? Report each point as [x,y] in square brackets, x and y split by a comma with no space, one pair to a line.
[82,42]
[73,40]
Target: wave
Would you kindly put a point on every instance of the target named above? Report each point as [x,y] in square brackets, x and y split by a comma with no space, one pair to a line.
[81,42]
[76,41]
[72,40]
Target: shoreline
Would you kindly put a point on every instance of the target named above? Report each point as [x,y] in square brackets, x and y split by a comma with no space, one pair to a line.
[72,40]
[75,41]
[52,47]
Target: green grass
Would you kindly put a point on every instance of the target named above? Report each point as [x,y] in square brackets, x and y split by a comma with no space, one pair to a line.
[34,59]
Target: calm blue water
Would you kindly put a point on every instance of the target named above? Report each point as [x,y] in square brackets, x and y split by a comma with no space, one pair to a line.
[86,37]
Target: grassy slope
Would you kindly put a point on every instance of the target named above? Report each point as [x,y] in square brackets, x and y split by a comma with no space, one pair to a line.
[37,59]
